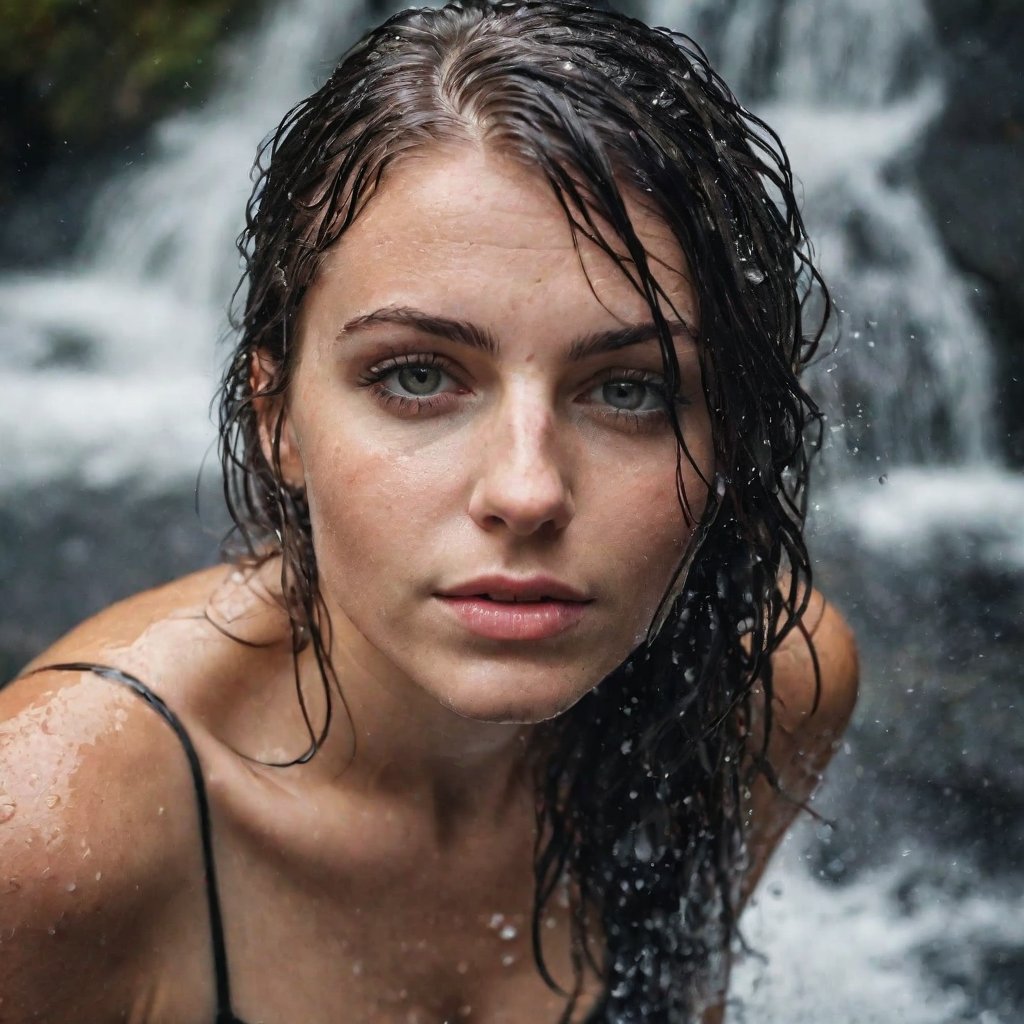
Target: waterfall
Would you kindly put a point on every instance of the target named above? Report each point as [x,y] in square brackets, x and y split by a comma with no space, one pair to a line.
[111,360]
[119,347]
[850,87]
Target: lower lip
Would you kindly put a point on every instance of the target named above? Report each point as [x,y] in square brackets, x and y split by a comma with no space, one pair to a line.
[508,620]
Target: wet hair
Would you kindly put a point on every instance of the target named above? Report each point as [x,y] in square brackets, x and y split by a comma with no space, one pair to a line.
[644,784]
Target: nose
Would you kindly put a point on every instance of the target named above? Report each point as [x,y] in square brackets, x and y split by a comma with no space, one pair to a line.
[523,483]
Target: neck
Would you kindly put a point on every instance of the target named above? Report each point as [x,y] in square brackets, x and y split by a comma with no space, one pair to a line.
[392,741]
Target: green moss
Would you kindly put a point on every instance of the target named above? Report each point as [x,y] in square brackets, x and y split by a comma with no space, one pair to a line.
[82,74]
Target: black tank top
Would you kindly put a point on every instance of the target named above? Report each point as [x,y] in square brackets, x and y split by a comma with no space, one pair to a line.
[224,1014]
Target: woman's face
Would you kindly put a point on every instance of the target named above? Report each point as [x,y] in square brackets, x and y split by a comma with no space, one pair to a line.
[482,436]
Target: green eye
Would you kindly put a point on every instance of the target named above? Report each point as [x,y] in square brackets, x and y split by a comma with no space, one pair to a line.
[419,380]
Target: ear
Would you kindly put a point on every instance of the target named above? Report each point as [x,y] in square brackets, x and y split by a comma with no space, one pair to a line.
[272,415]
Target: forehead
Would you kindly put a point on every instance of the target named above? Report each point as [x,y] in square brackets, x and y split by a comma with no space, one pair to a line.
[470,232]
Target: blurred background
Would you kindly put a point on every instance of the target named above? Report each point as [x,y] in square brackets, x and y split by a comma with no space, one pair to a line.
[126,137]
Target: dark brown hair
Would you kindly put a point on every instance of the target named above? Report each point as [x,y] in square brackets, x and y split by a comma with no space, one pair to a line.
[641,786]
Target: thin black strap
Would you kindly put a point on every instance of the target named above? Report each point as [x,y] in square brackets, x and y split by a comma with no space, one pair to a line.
[220,959]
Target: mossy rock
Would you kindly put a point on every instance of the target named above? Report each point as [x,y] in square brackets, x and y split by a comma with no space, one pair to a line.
[82,76]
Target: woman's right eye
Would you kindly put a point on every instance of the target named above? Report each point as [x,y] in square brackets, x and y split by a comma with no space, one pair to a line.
[417,380]
[412,384]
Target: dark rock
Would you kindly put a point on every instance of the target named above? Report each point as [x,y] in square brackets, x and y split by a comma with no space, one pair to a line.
[69,550]
[938,737]
[971,169]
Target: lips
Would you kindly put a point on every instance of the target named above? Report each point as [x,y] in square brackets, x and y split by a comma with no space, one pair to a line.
[501,608]
[506,588]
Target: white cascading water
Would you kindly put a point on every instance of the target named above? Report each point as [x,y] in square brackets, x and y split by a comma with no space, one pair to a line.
[850,86]
[118,350]
[143,303]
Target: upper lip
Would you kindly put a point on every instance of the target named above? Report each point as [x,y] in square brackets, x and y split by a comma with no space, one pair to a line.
[512,588]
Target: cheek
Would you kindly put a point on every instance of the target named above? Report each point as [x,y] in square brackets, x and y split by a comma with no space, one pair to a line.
[373,507]
[651,532]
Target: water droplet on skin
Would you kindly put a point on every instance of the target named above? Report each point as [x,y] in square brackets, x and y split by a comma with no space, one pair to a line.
[71,887]
[550,922]
[99,875]
[508,932]
[7,807]
[52,800]
[462,967]
[508,960]
[357,967]
[496,921]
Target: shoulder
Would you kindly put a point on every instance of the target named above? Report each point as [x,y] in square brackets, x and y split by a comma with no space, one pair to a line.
[93,841]
[815,674]
[99,834]
[149,627]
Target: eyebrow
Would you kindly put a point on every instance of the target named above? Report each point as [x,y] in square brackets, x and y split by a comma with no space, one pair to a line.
[465,333]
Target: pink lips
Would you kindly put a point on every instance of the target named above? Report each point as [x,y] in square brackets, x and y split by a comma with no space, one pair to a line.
[503,608]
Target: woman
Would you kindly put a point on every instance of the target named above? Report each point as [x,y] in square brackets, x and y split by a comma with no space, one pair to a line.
[518,677]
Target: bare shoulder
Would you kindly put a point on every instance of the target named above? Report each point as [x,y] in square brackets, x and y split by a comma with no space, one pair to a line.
[815,676]
[93,841]
[220,601]
[99,834]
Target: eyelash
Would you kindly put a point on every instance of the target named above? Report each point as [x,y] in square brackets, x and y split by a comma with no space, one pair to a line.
[646,422]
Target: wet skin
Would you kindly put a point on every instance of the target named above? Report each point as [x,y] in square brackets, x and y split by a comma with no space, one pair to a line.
[387,868]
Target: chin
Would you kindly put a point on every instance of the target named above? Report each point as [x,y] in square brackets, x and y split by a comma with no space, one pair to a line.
[514,700]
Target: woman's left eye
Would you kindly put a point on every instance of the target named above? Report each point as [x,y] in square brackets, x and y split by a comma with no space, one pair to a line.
[636,396]
[633,396]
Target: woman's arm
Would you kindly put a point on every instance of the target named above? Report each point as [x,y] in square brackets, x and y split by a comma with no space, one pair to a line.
[806,728]
[807,724]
